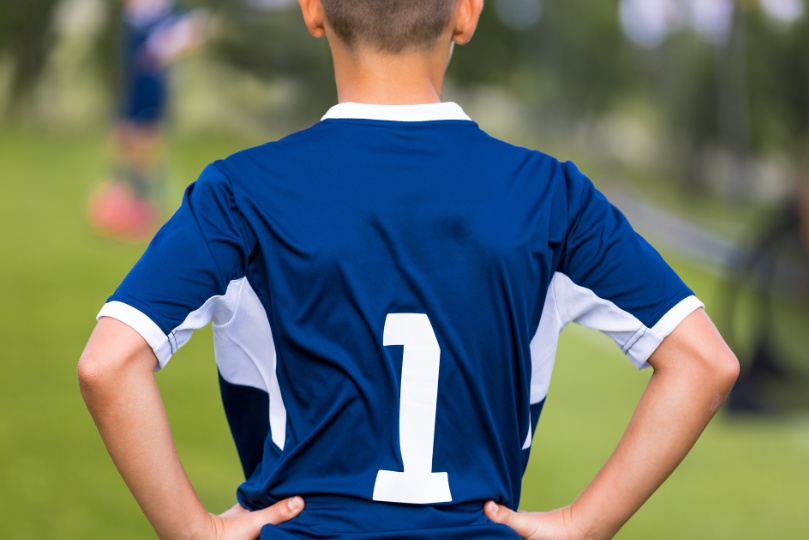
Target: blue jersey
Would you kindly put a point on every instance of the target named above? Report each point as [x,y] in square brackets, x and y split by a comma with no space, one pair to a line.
[387,289]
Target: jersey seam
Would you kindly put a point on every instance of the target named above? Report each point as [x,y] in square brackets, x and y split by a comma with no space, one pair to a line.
[632,341]
[667,305]
[208,247]
[235,207]
[572,228]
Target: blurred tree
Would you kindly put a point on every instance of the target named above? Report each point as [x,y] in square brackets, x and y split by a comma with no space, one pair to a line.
[571,61]
[106,52]
[779,84]
[26,36]
[275,44]
[568,59]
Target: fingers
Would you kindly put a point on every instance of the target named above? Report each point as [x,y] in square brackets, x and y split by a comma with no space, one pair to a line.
[523,524]
[278,513]
[238,523]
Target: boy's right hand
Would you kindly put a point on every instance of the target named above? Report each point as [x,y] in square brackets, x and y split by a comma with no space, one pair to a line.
[238,523]
[555,525]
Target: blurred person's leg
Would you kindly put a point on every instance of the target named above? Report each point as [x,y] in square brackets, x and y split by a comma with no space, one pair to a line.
[140,165]
[129,204]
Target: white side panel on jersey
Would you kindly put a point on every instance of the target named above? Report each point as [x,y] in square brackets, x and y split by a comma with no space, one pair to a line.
[217,308]
[567,302]
[245,350]
[581,305]
[543,354]
[527,444]
[245,354]
[543,346]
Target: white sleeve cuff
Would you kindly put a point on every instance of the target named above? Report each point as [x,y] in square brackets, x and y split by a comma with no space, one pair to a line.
[651,338]
[143,325]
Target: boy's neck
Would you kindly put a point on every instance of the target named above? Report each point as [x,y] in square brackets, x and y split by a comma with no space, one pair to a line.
[407,78]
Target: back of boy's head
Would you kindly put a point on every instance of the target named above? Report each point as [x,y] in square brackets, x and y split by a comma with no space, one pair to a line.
[389,25]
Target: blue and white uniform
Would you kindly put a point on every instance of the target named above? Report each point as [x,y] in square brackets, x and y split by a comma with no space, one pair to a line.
[387,289]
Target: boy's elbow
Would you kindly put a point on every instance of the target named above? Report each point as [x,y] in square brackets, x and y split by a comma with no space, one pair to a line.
[719,372]
[92,373]
[696,349]
[97,372]
[726,370]
[113,355]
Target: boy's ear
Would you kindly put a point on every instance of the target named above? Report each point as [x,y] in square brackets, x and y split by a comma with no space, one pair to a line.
[313,17]
[467,14]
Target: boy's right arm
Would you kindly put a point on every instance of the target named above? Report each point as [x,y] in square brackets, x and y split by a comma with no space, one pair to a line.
[612,280]
[116,375]
[694,371]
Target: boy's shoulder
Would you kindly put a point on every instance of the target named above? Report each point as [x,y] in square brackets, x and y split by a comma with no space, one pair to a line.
[271,149]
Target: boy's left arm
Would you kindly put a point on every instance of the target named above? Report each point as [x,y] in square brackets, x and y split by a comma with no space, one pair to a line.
[191,275]
[117,379]
[694,371]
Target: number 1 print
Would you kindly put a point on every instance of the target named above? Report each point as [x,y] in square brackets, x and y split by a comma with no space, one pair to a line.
[417,409]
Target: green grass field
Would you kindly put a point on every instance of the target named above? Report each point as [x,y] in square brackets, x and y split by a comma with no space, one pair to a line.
[746,479]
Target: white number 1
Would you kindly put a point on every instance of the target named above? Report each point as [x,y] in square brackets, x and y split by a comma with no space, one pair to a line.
[418,484]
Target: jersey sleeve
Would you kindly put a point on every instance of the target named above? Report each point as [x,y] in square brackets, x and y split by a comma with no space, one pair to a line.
[191,273]
[609,278]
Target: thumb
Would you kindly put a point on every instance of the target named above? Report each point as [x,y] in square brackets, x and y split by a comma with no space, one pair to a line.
[522,523]
[278,513]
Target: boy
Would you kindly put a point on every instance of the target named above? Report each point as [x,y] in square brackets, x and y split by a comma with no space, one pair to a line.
[387,289]
[155,35]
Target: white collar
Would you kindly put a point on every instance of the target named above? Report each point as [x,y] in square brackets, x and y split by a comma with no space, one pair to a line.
[397,113]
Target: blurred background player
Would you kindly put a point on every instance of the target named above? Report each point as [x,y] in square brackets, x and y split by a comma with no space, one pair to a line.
[154,35]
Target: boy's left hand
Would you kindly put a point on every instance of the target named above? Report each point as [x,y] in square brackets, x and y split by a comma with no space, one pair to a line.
[555,525]
[238,523]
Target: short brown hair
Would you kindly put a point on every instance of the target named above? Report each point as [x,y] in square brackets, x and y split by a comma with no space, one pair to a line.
[389,25]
